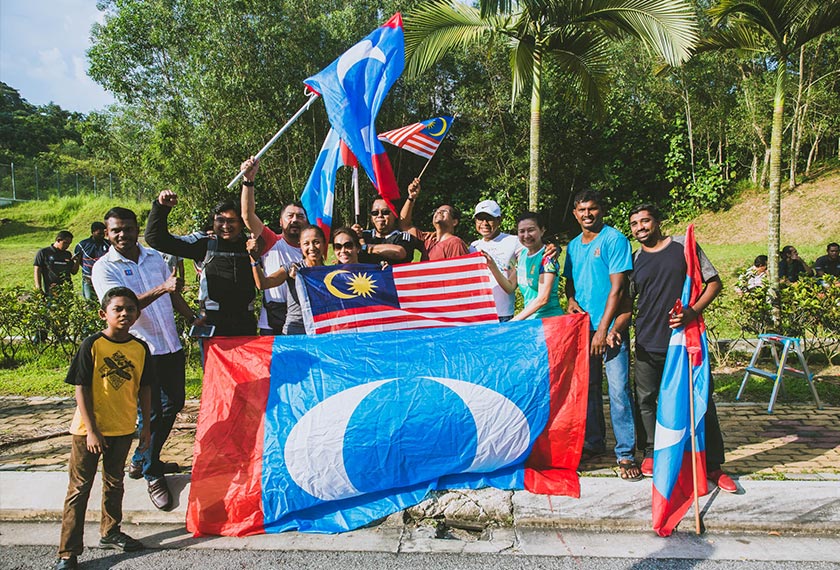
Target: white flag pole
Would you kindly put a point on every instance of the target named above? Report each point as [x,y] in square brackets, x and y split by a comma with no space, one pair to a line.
[356,191]
[312,97]
[454,117]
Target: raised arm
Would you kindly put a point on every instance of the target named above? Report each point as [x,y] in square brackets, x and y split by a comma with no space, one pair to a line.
[249,209]
[407,212]
[157,230]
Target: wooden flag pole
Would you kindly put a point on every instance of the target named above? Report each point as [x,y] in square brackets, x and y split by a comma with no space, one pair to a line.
[356,191]
[312,97]
[693,454]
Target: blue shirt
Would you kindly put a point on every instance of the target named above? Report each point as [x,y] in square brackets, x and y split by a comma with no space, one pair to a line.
[590,266]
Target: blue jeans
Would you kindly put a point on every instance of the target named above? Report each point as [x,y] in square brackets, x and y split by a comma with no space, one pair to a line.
[168,396]
[616,361]
[87,289]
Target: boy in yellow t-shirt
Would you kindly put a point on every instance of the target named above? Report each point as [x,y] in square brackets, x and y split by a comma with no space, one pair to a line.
[110,370]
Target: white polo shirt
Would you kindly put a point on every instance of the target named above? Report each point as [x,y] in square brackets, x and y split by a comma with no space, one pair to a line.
[156,324]
[503,249]
[280,254]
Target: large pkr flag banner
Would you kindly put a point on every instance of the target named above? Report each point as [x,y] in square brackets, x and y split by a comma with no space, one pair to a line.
[328,433]
[686,367]
[367,298]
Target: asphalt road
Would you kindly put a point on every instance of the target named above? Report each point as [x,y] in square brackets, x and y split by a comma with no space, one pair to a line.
[40,557]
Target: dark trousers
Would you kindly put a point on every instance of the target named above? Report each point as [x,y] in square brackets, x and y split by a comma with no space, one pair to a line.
[232,324]
[648,372]
[167,400]
[82,469]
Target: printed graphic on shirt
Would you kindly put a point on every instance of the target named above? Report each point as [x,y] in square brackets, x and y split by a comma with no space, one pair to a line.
[117,369]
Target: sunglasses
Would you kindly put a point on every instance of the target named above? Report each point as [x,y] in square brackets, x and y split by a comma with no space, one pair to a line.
[346,245]
[375,213]
[221,220]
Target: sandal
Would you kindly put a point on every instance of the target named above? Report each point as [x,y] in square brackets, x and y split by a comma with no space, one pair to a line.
[629,471]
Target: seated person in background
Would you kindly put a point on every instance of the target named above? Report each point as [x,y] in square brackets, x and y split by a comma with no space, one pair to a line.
[385,243]
[791,266]
[441,243]
[755,275]
[226,290]
[829,264]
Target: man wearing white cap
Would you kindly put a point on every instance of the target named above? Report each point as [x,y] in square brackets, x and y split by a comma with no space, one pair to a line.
[502,247]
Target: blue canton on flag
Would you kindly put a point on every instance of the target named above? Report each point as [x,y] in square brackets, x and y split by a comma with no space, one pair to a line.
[421,138]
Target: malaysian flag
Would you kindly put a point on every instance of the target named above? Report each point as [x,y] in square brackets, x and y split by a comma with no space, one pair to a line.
[345,298]
[421,138]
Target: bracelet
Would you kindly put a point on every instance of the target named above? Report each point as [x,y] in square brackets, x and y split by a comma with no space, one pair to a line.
[411,199]
[248,183]
[255,264]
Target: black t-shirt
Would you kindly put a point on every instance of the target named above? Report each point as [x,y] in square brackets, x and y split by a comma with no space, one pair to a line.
[825,265]
[396,237]
[56,264]
[791,271]
[657,282]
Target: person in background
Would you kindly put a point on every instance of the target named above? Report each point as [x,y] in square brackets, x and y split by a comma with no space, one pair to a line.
[754,276]
[791,266]
[829,264]
[441,243]
[384,243]
[54,264]
[89,250]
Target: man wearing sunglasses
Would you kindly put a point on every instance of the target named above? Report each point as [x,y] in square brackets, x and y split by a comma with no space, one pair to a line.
[441,243]
[226,289]
[384,242]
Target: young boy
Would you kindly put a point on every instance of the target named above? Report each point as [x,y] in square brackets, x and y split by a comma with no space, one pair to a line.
[109,371]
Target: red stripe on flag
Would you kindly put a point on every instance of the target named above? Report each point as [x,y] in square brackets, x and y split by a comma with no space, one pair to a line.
[667,513]
[226,491]
[415,321]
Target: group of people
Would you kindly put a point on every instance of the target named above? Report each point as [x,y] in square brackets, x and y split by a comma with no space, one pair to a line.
[792,267]
[140,293]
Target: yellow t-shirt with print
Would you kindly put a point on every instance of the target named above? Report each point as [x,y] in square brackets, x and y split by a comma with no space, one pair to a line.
[114,371]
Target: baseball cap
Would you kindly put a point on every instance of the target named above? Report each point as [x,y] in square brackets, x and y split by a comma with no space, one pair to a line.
[489,207]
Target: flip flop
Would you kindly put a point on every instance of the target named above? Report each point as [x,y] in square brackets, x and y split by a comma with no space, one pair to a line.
[624,467]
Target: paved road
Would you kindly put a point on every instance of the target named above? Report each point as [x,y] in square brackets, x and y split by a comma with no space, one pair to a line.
[14,558]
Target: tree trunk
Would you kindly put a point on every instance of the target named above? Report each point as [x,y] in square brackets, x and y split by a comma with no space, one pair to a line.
[689,128]
[795,125]
[754,169]
[536,104]
[812,154]
[775,196]
[765,167]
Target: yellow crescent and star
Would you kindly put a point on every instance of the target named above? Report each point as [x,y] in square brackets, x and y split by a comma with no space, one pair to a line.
[360,284]
[442,128]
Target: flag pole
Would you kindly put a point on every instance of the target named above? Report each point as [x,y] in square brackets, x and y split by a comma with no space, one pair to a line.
[312,97]
[693,454]
[356,191]
[454,118]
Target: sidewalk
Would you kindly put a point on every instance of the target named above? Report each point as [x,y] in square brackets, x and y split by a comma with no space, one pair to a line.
[787,465]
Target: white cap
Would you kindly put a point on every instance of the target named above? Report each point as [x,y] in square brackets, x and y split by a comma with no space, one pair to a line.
[488,207]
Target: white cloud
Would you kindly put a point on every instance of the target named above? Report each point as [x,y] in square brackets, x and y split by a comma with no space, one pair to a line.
[51,66]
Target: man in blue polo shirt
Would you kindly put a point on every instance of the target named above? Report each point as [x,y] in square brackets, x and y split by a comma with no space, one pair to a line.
[597,263]
[90,250]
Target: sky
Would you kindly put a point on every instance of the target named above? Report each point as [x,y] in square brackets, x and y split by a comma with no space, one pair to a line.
[42,52]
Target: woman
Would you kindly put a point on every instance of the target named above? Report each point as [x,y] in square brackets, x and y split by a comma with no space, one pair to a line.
[313,246]
[791,266]
[537,275]
[346,246]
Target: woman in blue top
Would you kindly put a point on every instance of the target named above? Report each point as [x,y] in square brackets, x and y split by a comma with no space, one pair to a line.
[537,274]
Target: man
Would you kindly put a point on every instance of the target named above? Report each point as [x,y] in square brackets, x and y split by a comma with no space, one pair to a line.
[54,264]
[385,243]
[129,264]
[597,263]
[502,247]
[657,281]
[441,243]
[90,250]
[277,250]
[226,288]
[829,264]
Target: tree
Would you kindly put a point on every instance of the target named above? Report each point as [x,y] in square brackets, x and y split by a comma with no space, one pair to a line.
[778,29]
[571,37]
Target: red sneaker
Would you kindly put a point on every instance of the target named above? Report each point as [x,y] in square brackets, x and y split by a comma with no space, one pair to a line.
[723,481]
[647,466]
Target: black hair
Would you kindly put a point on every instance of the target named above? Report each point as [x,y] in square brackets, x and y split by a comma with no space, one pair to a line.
[531,216]
[590,196]
[316,229]
[120,214]
[832,244]
[96,226]
[456,213]
[226,206]
[786,250]
[347,231]
[650,208]
[760,261]
[295,204]
[119,292]
[62,235]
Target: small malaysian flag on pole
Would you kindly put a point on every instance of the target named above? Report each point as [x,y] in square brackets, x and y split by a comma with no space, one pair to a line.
[421,138]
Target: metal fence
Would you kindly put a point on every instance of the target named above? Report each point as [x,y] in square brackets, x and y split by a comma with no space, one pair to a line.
[32,181]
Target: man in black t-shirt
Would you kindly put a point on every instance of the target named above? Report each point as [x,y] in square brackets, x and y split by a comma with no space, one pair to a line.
[384,242]
[659,270]
[829,264]
[54,264]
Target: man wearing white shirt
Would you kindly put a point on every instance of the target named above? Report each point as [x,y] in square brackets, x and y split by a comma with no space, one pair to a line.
[503,248]
[143,270]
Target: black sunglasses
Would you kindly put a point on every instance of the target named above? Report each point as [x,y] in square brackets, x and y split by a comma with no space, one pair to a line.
[345,245]
[375,213]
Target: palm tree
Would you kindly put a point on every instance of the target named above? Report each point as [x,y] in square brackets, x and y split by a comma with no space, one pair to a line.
[571,36]
[778,28]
